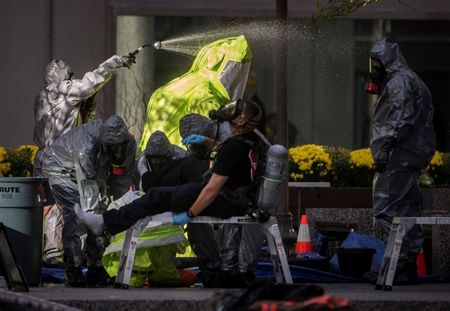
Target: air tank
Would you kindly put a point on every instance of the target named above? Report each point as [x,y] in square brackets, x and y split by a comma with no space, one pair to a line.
[274,175]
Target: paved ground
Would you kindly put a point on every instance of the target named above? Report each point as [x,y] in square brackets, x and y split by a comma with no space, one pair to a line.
[362,296]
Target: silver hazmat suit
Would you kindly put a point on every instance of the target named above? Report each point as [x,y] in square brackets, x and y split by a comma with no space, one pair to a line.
[402,134]
[57,110]
[57,107]
[78,167]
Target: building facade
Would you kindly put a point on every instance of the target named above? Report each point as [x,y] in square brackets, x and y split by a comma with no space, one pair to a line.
[327,66]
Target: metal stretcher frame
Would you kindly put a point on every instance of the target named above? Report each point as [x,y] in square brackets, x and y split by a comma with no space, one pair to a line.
[400,228]
[273,236]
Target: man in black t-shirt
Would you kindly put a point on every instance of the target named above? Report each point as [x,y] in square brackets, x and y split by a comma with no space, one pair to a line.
[233,171]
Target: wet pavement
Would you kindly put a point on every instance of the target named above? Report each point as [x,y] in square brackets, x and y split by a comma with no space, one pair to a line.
[435,296]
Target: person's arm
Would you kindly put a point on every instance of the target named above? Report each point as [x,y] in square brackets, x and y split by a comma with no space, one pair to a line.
[403,116]
[197,139]
[74,91]
[85,170]
[208,194]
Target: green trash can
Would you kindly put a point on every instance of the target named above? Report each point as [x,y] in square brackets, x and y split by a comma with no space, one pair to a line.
[21,211]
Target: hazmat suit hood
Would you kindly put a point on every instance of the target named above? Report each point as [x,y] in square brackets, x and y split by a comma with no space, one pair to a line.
[114,131]
[57,70]
[115,139]
[197,124]
[389,54]
[158,145]
[217,76]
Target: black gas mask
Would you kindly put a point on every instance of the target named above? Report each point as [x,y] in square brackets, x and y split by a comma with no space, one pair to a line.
[118,154]
[377,77]
[228,112]
[158,162]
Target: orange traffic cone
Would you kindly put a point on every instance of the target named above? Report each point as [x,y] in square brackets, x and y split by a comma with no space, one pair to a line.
[303,244]
[421,265]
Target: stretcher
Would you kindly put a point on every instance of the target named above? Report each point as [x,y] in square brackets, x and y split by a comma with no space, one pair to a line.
[273,236]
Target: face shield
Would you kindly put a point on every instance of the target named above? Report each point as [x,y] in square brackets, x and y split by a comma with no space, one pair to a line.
[377,75]
[118,154]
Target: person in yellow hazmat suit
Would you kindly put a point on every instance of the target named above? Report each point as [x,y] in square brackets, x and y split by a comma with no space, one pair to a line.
[217,76]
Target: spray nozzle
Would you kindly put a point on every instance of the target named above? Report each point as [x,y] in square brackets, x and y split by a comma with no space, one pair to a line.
[157,45]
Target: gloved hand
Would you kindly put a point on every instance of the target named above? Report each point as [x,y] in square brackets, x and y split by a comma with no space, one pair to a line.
[382,158]
[381,163]
[181,219]
[128,61]
[193,139]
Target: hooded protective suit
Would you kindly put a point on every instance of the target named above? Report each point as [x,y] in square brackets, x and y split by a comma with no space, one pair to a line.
[402,144]
[157,246]
[78,167]
[158,145]
[66,103]
[57,107]
[63,104]
[217,76]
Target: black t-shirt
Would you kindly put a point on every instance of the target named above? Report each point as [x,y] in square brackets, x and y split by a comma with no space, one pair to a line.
[237,160]
[179,172]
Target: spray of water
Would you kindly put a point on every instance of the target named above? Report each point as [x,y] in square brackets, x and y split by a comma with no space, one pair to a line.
[267,31]
[264,38]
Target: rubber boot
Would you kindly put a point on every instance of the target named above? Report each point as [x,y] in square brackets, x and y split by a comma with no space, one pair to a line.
[74,277]
[97,277]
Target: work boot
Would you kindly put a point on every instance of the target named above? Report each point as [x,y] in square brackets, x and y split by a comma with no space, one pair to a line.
[97,277]
[406,274]
[74,277]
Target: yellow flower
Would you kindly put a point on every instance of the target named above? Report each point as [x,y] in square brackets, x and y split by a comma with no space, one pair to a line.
[438,159]
[3,154]
[4,165]
[361,158]
[309,162]
[32,148]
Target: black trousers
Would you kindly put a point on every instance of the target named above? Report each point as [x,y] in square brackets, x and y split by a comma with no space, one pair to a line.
[158,200]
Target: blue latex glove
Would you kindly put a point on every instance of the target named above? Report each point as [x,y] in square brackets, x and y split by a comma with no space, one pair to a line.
[194,139]
[181,219]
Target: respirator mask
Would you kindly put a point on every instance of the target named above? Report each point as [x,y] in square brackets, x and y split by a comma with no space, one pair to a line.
[377,76]
[157,162]
[118,154]
[228,112]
